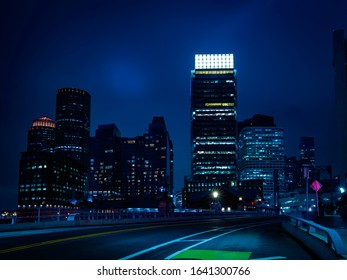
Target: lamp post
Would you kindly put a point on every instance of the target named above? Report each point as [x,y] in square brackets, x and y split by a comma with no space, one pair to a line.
[306,176]
[214,203]
[38,213]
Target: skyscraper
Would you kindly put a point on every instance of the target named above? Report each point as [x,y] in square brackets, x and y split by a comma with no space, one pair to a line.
[340,67]
[73,124]
[48,178]
[41,135]
[147,162]
[105,162]
[261,156]
[213,124]
[307,150]
[54,169]
[213,119]
[35,168]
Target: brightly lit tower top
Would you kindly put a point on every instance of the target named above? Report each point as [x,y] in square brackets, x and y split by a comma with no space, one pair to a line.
[214,61]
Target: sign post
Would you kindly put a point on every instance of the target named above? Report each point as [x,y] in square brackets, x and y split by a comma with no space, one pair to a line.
[316,186]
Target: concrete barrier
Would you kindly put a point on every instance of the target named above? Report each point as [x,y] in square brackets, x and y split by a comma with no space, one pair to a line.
[324,242]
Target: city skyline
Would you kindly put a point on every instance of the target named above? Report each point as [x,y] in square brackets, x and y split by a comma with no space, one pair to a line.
[135,61]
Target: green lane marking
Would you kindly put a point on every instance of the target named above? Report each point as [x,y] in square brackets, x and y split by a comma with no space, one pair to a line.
[213,255]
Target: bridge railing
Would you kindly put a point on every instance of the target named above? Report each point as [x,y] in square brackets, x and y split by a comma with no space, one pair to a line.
[304,228]
[43,215]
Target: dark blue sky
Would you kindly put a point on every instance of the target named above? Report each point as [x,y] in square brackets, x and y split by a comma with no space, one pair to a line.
[135,58]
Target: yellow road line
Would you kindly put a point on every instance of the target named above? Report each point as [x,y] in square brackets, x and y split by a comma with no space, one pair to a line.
[49,242]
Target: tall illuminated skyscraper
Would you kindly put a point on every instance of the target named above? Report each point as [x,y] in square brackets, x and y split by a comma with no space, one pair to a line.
[213,123]
[73,131]
[73,124]
[340,67]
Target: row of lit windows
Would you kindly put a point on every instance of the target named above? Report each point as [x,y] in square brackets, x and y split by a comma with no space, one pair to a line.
[37,167]
[209,167]
[216,81]
[266,146]
[213,172]
[214,110]
[216,152]
[69,120]
[67,148]
[33,190]
[206,184]
[215,115]
[215,143]
[247,159]
[33,185]
[271,155]
[215,138]
[213,72]
[35,198]
[225,104]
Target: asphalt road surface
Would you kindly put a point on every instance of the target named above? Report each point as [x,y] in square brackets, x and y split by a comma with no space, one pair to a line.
[235,238]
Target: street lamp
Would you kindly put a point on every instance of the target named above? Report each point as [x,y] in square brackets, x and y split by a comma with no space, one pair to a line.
[215,201]
[215,194]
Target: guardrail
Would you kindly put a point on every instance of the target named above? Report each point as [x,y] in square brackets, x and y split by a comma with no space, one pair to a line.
[314,235]
[49,214]
[42,219]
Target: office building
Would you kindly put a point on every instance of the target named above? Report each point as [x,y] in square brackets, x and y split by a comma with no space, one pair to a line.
[41,135]
[105,163]
[213,125]
[261,156]
[54,169]
[73,128]
[340,69]
[73,124]
[213,119]
[48,178]
[34,163]
[147,163]
[293,175]
[307,150]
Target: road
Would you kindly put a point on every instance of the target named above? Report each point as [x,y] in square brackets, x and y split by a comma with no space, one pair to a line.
[237,238]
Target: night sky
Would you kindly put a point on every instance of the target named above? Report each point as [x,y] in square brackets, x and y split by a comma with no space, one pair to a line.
[135,58]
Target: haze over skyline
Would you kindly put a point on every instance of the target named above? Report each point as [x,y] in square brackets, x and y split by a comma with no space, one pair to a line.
[135,58]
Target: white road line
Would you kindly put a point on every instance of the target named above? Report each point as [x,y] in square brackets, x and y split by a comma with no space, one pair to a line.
[214,237]
[189,236]
[191,240]
[271,258]
[197,244]
[164,244]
